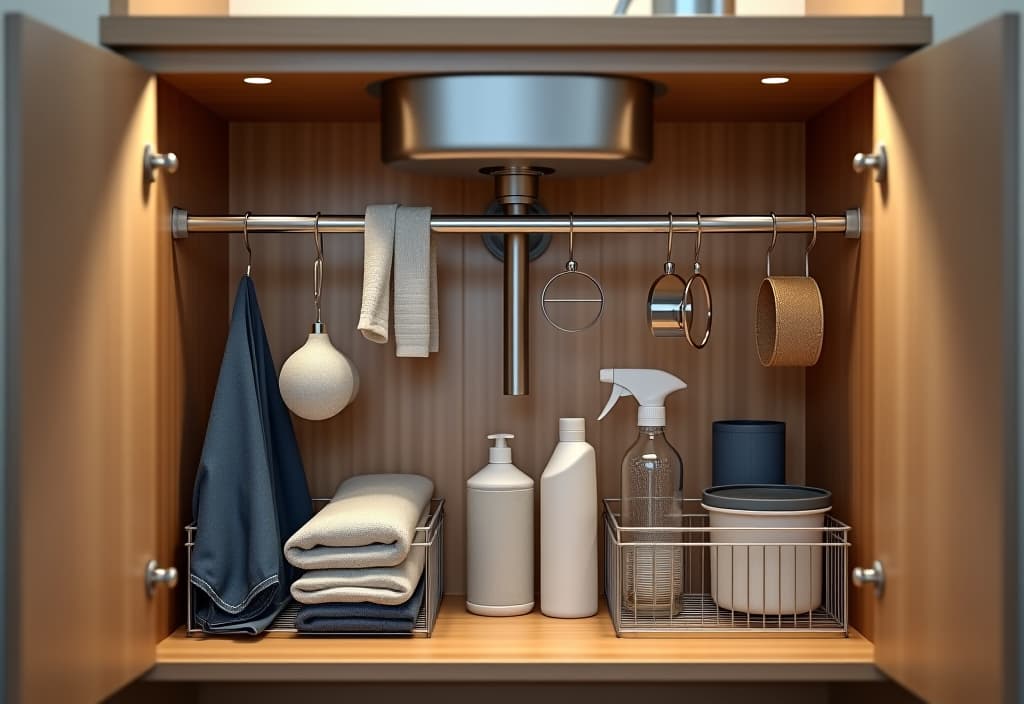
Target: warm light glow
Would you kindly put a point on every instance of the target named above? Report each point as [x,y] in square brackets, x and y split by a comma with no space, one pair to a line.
[774,80]
[257,80]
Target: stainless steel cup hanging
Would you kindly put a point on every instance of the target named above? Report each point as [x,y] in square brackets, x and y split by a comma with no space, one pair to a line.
[573,275]
[665,298]
[687,303]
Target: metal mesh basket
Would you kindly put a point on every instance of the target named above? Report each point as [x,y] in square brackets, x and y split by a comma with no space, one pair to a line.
[692,579]
[429,537]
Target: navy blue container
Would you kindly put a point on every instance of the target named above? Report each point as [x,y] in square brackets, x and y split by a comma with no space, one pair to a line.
[748,452]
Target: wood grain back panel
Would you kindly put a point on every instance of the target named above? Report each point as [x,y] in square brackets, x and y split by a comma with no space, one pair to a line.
[191,282]
[839,387]
[432,416]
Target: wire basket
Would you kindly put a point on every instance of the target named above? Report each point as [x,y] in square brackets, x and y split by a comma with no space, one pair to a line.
[691,579]
[429,537]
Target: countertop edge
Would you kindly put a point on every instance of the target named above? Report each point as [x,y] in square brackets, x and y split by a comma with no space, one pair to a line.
[520,672]
[490,33]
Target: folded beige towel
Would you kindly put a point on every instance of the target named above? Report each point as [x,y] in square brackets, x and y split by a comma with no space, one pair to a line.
[378,250]
[378,585]
[416,333]
[370,522]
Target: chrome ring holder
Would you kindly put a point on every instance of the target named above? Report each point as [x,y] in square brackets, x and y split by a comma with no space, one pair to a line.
[571,271]
[665,300]
[687,308]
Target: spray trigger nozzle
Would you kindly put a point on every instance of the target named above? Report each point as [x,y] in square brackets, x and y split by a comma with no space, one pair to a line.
[617,393]
[649,386]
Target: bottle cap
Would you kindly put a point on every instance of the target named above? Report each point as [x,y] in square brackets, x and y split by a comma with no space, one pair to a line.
[501,453]
[651,416]
[572,430]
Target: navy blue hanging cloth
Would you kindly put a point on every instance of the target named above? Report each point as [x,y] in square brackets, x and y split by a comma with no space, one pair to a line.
[250,493]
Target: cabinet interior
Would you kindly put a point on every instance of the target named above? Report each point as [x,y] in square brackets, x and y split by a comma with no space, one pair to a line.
[787,154]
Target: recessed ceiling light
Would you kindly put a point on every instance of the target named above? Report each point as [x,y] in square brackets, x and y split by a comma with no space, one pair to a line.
[263,80]
[775,80]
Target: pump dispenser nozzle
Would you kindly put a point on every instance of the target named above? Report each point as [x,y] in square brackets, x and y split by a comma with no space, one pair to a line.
[649,386]
[501,453]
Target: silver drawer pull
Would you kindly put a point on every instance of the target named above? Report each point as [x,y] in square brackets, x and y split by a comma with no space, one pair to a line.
[156,575]
[151,161]
[879,161]
[870,575]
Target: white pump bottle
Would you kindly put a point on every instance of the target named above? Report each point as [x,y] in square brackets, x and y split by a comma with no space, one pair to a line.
[568,525]
[499,536]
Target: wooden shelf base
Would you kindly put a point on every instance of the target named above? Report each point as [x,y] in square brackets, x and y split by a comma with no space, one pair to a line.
[468,648]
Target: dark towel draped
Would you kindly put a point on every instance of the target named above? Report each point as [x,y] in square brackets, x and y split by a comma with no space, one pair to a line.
[250,493]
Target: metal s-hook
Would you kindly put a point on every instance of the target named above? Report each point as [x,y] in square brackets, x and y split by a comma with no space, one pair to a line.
[810,245]
[670,266]
[771,247]
[697,245]
[245,241]
[318,269]
[571,264]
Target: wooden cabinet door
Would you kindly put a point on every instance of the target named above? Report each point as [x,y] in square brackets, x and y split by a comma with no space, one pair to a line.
[80,362]
[945,349]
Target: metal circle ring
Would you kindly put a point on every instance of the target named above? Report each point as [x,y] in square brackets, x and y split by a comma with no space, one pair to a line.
[688,316]
[544,300]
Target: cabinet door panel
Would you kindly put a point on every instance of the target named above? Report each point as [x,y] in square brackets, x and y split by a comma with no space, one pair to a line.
[945,355]
[80,335]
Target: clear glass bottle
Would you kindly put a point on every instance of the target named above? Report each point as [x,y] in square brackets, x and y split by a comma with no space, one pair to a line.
[652,492]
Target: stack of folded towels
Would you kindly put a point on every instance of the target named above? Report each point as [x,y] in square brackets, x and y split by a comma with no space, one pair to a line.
[362,573]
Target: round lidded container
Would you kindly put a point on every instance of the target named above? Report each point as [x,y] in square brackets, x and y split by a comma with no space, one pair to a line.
[766,552]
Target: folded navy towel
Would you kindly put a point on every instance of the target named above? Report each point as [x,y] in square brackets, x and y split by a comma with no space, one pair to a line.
[361,617]
[250,492]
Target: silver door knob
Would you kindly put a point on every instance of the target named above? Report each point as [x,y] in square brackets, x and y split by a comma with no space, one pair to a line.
[878,161]
[870,575]
[151,161]
[156,575]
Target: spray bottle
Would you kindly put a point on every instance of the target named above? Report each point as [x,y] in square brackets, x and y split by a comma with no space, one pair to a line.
[652,491]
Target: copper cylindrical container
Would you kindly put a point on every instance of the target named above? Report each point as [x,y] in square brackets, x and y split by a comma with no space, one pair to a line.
[790,322]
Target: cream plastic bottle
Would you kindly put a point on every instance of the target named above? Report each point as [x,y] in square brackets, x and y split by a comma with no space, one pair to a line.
[499,536]
[568,525]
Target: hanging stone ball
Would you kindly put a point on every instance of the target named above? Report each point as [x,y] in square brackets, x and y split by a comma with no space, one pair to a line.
[318,381]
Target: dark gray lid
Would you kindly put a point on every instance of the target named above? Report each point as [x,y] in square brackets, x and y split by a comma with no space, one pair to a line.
[767,497]
[750,426]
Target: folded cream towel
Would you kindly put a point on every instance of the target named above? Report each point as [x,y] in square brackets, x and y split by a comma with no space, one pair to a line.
[378,250]
[415,284]
[370,522]
[378,585]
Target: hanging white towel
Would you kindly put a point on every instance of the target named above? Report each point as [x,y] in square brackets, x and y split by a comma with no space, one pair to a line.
[378,250]
[416,327]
